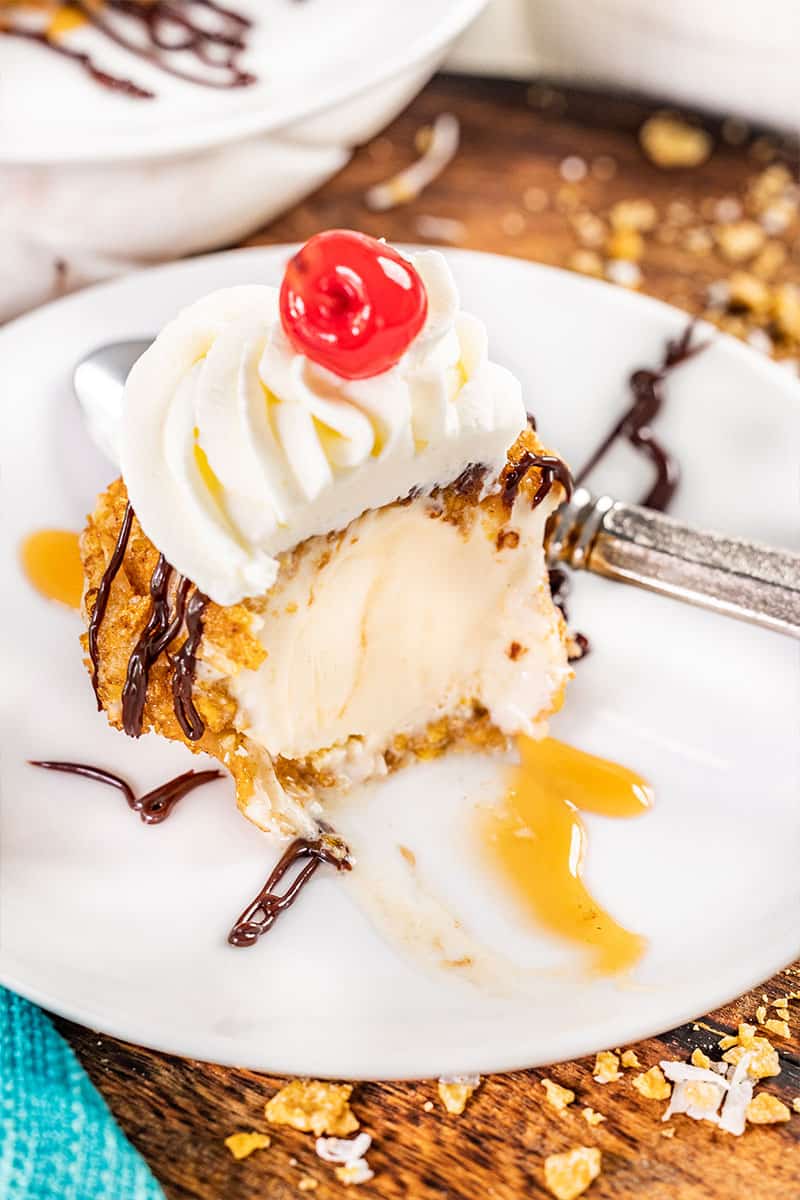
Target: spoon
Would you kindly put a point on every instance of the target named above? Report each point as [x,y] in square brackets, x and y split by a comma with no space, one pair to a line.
[625,542]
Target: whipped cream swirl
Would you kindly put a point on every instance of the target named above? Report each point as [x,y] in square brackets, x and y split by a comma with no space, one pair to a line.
[234,447]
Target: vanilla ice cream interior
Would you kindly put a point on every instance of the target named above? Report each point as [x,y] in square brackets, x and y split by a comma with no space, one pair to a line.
[406,630]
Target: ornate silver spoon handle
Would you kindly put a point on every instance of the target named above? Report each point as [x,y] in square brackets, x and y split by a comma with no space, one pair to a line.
[636,545]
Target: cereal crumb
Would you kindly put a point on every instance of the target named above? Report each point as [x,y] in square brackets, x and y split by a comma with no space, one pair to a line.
[640,215]
[243,1144]
[747,292]
[587,262]
[313,1107]
[700,1059]
[781,1028]
[454,1093]
[428,1106]
[307,1184]
[786,310]
[739,240]
[606,1067]
[761,1014]
[764,1061]
[765,1109]
[652,1085]
[591,1116]
[568,1175]
[623,273]
[629,1059]
[626,244]
[573,169]
[668,141]
[559,1097]
[796,1104]
[668,1131]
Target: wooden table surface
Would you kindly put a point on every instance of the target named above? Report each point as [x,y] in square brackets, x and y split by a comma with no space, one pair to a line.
[507,190]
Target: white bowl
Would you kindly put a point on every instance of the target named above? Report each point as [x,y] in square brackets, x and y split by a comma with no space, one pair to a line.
[93,183]
[728,56]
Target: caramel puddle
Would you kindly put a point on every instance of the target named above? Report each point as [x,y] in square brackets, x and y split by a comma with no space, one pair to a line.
[52,563]
[537,841]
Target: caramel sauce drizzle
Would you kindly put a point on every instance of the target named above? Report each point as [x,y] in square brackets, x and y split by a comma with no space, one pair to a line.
[265,908]
[647,390]
[51,561]
[537,842]
[154,806]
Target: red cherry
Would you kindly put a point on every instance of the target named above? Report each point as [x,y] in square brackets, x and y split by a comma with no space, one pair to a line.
[351,303]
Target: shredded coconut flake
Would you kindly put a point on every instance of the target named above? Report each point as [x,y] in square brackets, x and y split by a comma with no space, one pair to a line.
[343,1150]
[357,1171]
[406,185]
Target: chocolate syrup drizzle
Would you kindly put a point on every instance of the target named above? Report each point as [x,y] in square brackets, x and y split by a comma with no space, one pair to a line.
[647,391]
[161,629]
[184,666]
[103,592]
[265,908]
[154,806]
[159,31]
[553,469]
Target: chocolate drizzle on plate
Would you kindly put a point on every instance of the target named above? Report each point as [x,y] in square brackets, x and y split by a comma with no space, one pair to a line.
[154,806]
[163,626]
[647,392]
[265,908]
[553,469]
[198,41]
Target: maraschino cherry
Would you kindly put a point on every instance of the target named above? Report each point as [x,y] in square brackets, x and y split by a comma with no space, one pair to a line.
[351,303]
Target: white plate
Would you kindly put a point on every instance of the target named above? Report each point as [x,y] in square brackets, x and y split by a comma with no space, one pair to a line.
[308,57]
[123,927]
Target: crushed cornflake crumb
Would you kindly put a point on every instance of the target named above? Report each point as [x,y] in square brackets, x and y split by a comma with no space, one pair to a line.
[766,1109]
[781,1028]
[761,1013]
[313,1107]
[796,1104]
[763,1060]
[587,262]
[307,1184]
[624,273]
[355,1172]
[428,1106]
[455,1091]
[739,241]
[699,1092]
[573,169]
[652,1085]
[606,1067]
[700,1059]
[640,215]
[243,1144]
[559,1097]
[406,185]
[591,1116]
[625,244]
[629,1059]
[440,229]
[668,1131]
[668,141]
[569,1174]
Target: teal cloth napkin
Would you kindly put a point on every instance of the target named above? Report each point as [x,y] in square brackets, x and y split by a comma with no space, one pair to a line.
[58,1139]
